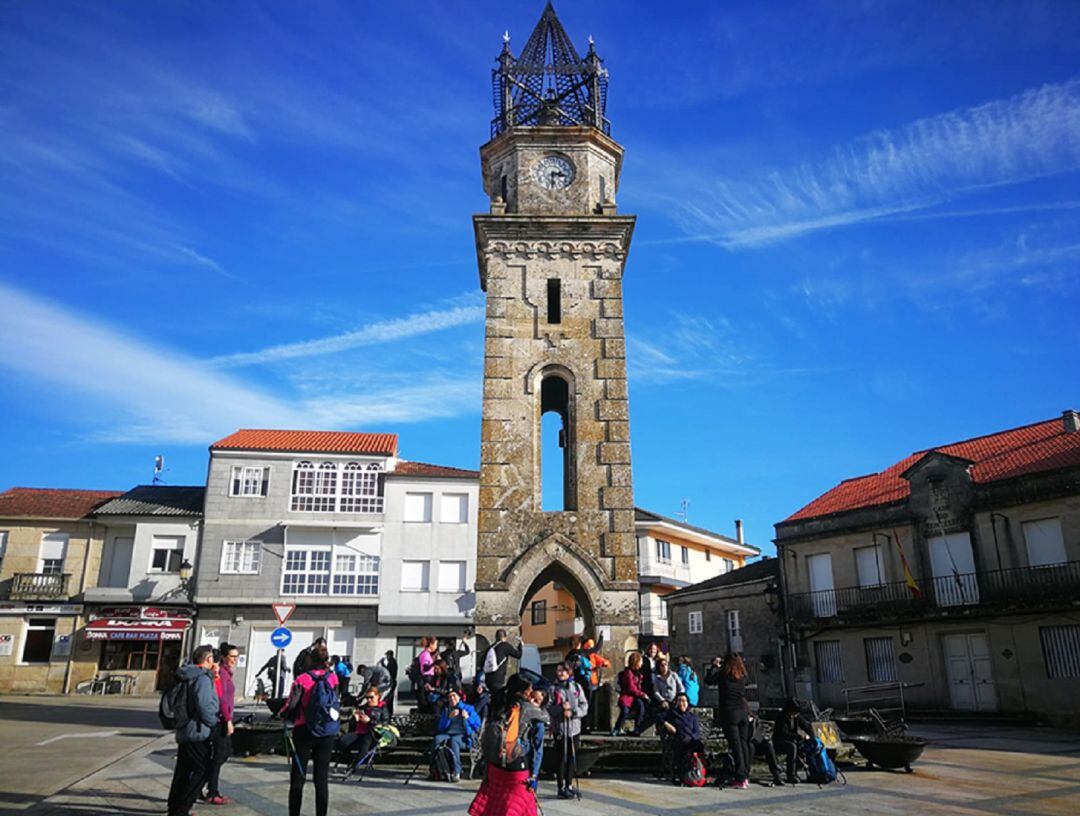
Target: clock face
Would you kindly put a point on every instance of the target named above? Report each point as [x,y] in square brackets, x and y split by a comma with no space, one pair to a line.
[554,172]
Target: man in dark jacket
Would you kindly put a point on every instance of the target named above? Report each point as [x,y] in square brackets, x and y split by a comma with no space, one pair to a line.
[193,739]
[503,651]
[790,729]
[685,728]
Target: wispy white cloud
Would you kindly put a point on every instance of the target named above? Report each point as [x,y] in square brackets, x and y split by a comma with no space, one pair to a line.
[383,331]
[692,347]
[921,165]
[203,260]
[125,389]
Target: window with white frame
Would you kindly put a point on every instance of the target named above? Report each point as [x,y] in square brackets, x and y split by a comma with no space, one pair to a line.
[868,566]
[685,555]
[314,488]
[356,574]
[166,553]
[360,488]
[454,508]
[418,507]
[662,614]
[451,576]
[1045,544]
[53,552]
[694,623]
[250,481]
[663,551]
[415,575]
[306,571]
[38,643]
[241,557]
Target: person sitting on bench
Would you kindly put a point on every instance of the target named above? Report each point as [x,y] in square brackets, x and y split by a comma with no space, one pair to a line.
[790,729]
[685,730]
[372,712]
[457,726]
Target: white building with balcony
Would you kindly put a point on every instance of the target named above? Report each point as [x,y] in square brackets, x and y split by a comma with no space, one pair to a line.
[673,554]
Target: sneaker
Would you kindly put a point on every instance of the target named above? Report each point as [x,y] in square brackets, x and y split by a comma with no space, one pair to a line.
[454,779]
[778,782]
[792,780]
[741,785]
[219,800]
[565,793]
[615,732]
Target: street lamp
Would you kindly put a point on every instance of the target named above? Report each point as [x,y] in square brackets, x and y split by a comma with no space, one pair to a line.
[185,571]
[772,596]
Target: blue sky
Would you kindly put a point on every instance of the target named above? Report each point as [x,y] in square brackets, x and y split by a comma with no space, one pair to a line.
[857,232]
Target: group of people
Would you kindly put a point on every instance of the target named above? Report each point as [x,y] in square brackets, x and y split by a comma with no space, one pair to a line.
[204,733]
[648,688]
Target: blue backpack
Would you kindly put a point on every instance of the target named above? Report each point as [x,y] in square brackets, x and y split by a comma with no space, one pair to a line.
[323,714]
[821,769]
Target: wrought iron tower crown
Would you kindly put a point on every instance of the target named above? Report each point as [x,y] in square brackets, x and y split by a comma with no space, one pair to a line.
[548,83]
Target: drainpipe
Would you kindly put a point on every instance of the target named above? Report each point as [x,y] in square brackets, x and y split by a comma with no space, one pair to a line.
[787,668]
[76,618]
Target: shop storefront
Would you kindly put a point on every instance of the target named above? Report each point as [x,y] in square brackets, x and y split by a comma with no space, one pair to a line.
[138,648]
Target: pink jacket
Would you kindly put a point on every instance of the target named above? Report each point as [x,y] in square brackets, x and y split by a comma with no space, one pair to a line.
[630,687]
[427,663]
[300,695]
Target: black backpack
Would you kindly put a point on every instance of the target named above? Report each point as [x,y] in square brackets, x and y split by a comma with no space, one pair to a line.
[174,709]
[413,672]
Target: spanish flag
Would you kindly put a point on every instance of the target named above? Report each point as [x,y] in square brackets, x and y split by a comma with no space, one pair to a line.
[909,579]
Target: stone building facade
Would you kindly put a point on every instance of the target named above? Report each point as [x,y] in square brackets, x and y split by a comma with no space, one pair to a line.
[955,572]
[552,252]
[737,612]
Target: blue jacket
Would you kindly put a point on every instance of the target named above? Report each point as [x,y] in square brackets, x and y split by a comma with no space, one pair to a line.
[687,725]
[204,704]
[471,721]
[690,683]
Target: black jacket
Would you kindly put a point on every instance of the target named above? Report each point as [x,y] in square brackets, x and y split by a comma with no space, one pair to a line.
[503,650]
[786,727]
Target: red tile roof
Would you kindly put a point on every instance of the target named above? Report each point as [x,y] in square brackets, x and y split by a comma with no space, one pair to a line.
[50,502]
[309,442]
[435,471]
[1044,446]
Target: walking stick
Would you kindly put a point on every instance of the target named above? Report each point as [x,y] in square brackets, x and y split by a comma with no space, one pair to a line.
[290,749]
[574,775]
[426,754]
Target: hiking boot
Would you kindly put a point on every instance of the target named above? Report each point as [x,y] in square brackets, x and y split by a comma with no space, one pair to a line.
[778,782]
[792,780]
[615,732]
[565,793]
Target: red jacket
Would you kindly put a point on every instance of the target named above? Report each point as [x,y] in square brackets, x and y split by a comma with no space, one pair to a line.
[631,687]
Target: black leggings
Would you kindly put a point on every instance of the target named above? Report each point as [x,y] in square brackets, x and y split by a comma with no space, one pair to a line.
[790,750]
[318,750]
[737,733]
[220,751]
[566,749]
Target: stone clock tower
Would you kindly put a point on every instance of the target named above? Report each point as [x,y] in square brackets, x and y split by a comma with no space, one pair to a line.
[551,254]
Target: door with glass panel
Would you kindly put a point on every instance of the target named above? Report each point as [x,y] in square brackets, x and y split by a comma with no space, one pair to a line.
[822,590]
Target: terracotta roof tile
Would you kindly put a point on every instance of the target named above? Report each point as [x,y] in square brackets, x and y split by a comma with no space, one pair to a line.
[50,502]
[1043,446]
[434,471]
[309,442]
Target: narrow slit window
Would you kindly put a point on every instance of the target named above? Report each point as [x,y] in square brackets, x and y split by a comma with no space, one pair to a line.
[503,188]
[554,300]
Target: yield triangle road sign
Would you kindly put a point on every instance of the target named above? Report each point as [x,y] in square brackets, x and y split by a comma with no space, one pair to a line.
[282,611]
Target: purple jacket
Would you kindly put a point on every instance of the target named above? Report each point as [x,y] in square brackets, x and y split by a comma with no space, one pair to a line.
[227,694]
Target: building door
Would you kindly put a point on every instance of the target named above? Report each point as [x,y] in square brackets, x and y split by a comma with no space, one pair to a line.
[407,650]
[819,568]
[260,649]
[953,565]
[970,673]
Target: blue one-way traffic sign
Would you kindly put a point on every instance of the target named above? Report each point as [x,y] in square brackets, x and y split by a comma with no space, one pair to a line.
[281,638]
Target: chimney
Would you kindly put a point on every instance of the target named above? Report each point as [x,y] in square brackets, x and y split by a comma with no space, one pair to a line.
[738,531]
[1071,420]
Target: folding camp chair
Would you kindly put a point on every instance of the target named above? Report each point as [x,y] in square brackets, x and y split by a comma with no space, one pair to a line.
[386,738]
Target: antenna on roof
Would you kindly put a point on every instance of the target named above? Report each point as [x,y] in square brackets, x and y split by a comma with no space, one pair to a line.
[159,468]
[684,510]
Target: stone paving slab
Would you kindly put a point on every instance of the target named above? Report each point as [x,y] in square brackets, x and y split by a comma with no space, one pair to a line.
[956,779]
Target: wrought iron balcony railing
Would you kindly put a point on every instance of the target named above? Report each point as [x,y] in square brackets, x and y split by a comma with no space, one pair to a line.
[39,586]
[1020,587]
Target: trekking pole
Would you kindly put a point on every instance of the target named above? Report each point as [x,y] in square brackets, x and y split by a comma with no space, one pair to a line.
[574,773]
[290,749]
[416,767]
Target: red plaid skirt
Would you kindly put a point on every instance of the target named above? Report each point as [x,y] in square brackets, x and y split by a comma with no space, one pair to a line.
[504,793]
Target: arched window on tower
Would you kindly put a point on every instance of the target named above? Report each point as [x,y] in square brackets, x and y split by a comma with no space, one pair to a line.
[558,466]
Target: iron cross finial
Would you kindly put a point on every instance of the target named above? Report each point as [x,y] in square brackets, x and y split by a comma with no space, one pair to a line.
[506,37]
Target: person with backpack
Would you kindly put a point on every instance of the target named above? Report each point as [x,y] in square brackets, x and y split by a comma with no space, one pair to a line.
[190,707]
[453,657]
[685,729]
[221,738]
[734,716]
[568,707]
[315,711]
[790,730]
[504,741]
[690,680]
[458,725]
[597,663]
[632,696]
[421,672]
[496,660]
[389,662]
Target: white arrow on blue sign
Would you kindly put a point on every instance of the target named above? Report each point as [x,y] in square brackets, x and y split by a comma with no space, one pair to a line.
[281,637]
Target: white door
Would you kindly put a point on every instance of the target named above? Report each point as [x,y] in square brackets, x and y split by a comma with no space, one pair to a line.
[819,568]
[116,562]
[953,565]
[260,649]
[969,672]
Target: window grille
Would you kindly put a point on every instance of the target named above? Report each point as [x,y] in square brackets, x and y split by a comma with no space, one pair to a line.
[880,660]
[830,666]
[1061,651]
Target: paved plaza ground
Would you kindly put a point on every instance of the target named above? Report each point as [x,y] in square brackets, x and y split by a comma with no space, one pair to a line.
[966,771]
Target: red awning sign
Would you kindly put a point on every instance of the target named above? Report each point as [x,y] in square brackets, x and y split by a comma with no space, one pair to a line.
[119,629]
